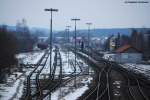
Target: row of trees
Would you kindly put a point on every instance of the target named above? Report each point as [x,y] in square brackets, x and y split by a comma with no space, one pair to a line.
[13,42]
[8,49]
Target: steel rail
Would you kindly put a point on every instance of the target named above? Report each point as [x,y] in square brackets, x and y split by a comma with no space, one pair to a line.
[28,88]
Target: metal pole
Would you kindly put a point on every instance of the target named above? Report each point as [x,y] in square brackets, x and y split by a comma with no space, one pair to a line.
[51,32]
[68,43]
[75,48]
[75,54]
[89,24]
[50,46]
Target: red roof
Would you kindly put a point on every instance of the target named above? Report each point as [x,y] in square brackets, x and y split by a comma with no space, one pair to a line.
[124,48]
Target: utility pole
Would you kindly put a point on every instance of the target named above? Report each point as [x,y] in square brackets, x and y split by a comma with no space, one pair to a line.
[89,24]
[51,10]
[68,29]
[75,20]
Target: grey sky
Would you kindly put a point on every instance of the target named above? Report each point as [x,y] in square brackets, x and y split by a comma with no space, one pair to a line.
[102,13]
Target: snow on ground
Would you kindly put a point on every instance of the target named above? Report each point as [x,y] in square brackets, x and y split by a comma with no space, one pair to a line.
[67,68]
[69,92]
[30,57]
[46,69]
[13,89]
[138,68]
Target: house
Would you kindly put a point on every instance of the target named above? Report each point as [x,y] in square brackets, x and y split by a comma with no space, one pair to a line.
[125,54]
[128,54]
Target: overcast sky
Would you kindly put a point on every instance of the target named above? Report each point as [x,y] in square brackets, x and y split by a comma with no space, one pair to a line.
[102,13]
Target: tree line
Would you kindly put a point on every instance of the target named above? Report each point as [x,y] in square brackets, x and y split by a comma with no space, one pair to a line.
[13,42]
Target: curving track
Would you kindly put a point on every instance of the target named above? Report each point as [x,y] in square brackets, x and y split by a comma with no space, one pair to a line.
[134,86]
[101,91]
[33,89]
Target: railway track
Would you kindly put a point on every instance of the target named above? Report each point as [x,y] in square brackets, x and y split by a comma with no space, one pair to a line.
[37,78]
[101,91]
[77,65]
[33,86]
[34,90]
[54,81]
[62,81]
[34,75]
[134,84]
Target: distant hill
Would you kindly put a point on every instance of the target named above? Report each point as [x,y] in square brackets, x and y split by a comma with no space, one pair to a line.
[94,32]
[103,32]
